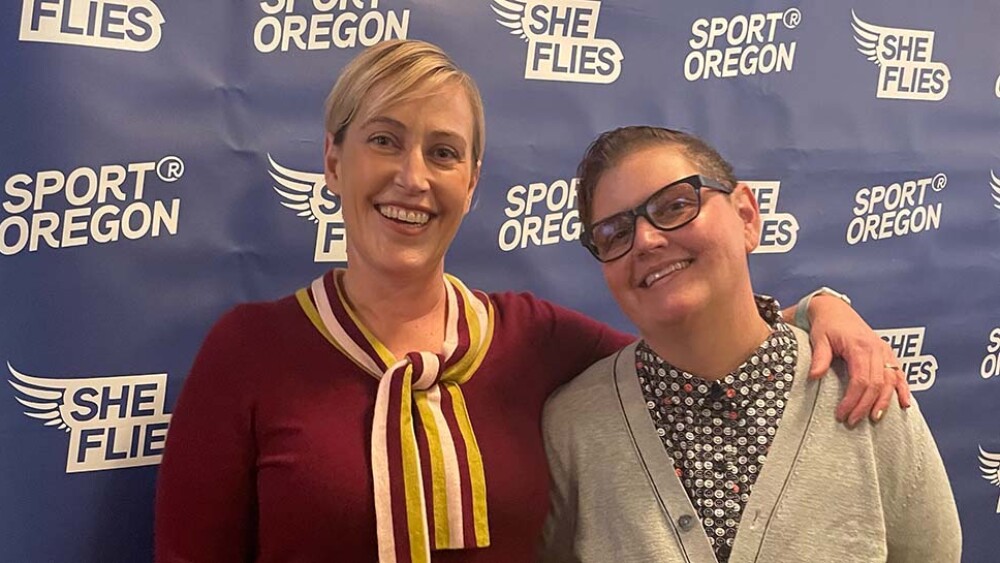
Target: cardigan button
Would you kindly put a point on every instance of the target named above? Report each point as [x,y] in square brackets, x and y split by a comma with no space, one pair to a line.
[686,522]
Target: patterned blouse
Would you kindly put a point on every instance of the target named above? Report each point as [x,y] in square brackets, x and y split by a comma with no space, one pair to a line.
[718,433]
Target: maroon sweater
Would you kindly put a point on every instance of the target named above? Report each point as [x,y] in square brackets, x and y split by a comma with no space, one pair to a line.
[269,451]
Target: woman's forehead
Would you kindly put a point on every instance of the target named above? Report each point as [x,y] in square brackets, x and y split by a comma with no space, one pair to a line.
[389,96]
[447,104]
[656,165]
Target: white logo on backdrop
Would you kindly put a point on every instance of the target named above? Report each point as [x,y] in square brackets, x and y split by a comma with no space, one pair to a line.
[562,40]
[126,25]
[306,193]
[990,367]
[113,422]
[540,215]
[91,205]
[779,231]
[329,24]
[906,71]
[919,368]
[743,45]
[995,187]
[897,210]
[989,464]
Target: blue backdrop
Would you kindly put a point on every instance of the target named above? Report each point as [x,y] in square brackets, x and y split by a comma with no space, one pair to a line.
[160,162]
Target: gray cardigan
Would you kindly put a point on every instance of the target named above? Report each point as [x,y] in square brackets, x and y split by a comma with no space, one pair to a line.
[826,493]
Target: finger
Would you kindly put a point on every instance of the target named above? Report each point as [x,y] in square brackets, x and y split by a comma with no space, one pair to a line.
[871,394]
[903,390]
[863,407]
[884,395]
[900,383]
[821,355]
[859,380]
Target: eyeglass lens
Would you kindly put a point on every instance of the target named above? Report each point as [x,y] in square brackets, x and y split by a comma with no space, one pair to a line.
[666,209]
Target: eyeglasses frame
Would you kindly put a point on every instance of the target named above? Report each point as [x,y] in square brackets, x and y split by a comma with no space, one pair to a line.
[697,181]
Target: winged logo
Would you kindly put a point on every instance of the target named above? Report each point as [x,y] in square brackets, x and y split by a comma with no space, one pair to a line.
[304,192]
[869,36]
[511,14]
[995,185]
[989,464]
[43,397]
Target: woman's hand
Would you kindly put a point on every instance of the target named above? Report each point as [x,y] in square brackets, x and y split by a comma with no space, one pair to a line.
[872,366]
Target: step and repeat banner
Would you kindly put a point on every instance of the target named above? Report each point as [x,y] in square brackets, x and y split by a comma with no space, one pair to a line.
[161,161]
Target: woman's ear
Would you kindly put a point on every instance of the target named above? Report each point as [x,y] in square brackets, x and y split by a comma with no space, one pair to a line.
[749,213]
[473,182]
[331,164]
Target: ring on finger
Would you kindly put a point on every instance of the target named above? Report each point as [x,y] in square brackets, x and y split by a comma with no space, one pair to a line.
[890,365]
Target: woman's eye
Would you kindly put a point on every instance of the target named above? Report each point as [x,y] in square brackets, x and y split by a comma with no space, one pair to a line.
[619,235]
[445,153]
[678,205]
[381,140]
[610,235]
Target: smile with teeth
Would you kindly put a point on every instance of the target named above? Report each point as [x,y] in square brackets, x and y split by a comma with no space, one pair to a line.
[404,215]
[653,277]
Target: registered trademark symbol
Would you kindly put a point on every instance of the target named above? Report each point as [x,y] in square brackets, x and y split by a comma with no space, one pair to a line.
[170,168]
[940,181]
[792,18]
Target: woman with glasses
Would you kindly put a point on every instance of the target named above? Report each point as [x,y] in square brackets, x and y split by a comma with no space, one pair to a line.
[386,411]
[706,441]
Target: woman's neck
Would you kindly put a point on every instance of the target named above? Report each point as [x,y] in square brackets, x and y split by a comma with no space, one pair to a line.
[711,343]
[405,312]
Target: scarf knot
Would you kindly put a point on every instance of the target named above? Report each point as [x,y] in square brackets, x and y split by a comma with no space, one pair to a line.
[426,369]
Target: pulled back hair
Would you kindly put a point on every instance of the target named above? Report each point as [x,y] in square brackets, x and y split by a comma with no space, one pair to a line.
[398,71]
[611,147]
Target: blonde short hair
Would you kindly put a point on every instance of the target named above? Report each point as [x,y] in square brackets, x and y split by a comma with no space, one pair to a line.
[403,69]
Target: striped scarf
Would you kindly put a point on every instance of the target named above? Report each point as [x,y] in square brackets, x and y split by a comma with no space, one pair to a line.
[422,438]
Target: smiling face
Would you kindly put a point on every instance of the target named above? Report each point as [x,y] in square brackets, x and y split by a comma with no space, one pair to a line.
[670,276]
[406,176]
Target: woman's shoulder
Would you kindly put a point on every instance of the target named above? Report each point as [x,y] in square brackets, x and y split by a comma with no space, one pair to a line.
[900,433]
[525,308]
[253,314]
[518,300]
[251,325]
[578,339]
[590,389]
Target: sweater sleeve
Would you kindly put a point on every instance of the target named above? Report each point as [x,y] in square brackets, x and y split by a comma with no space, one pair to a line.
[921,518]
[559,534]
[205,502]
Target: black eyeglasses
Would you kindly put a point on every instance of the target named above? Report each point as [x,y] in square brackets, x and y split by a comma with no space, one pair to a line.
[671,207]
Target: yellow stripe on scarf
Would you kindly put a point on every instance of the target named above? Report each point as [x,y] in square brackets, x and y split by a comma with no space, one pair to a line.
[412,482]
[476,474]
[438,489]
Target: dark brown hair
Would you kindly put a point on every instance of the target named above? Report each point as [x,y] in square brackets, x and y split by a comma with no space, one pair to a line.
[612,146]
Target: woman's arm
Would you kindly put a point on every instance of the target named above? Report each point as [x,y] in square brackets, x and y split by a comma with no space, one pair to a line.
[837,330]
[205,489]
